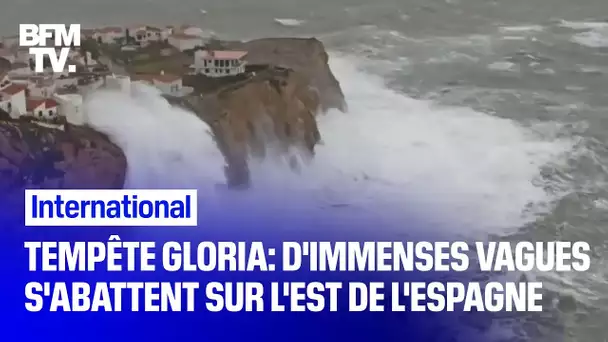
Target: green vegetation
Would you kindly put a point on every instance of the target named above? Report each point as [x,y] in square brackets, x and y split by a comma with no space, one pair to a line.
[90,45]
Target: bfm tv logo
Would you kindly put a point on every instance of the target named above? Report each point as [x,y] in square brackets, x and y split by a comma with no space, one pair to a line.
[35,37]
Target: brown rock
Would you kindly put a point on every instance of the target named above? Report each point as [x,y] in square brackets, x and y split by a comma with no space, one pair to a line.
[272,108]
[270,112]
[32,156]
[306,56]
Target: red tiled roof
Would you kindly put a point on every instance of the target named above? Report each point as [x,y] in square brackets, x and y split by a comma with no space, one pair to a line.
[14,89]
[50,103]
[224,54]
[34,103]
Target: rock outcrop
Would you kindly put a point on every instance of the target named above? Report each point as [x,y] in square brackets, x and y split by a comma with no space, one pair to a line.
[268,111]
[272,109]
[306,56]
[33,156]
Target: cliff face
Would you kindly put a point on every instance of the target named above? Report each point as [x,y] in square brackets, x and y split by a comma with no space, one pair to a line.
[268,111]
[272,109]
[306,57]
[32,156]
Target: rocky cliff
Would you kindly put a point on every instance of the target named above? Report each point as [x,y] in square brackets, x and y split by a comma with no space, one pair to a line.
[33,156]
[307,57]
[272,109]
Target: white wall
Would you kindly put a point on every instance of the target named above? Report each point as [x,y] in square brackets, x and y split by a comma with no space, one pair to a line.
[71,107]
[4,82]
[185,44]
[19,105]
[194,31]
[169,88]
[119,82]
[38,112]
[4,103]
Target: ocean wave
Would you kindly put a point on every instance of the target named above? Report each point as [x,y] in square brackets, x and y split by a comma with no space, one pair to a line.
[583,25]
[289,22]
[390,156]
[597,38]
[521,29]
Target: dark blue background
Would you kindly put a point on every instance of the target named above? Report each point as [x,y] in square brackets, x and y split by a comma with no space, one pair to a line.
[267,226]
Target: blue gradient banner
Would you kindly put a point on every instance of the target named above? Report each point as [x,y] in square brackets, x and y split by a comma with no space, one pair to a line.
[234,224]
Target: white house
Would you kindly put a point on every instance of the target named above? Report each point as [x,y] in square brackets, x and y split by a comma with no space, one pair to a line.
[70,106]
[165,32]
[143,37]
[35,107]
[16,94]
[8,55]
[43,109]
[219,63]
[5,81]
[184,41]
[168,84]
[191,30]
[5,102]
[153,33]
[108,35]
[119,82]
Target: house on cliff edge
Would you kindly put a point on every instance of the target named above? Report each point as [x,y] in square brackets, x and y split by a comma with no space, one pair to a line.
[168,84]
[214,63]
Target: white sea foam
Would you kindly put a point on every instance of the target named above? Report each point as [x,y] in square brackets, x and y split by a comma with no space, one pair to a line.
[159,140]
[289,22]
[388,157]
[503,66]
[596,38]
[583,25]
[521,29]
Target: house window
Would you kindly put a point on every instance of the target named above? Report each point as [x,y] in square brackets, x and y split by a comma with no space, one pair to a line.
[206,70]
[40,113]
[51,113]
[217,63]
[10,106]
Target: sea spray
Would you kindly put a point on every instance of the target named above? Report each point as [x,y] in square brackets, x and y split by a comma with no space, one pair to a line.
[165,145]
[389,157]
